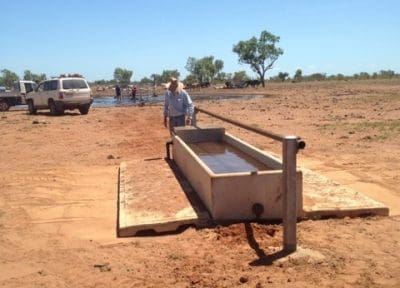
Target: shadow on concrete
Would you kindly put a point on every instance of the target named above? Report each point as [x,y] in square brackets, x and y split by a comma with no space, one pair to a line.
[194,199]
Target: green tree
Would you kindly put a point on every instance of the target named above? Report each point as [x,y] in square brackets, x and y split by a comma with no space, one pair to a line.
[156,78]
[386,74]
[122,76]
[298,75]
[204,69]
[222,76]
[99,82]
[282,76]
[364,75]
[28,75]
[167,74]
[317,77]
[8,78]
[219,65]
[146,80]
[190,79]
[260,53]
[340,77]
[240,76]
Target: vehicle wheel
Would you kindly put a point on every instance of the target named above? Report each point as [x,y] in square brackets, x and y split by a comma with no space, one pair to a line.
[4,106]
[31,108]
[84,109]
[53,108]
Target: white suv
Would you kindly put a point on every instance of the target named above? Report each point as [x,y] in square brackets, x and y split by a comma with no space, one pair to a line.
[59,94]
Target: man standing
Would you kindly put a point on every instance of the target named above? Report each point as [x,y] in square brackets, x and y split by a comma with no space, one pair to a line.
[118,92]
[133,93]
[178,106]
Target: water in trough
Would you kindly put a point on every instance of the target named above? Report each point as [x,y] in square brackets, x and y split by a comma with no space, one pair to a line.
[222,157]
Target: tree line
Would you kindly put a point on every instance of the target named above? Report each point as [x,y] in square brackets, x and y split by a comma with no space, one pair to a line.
[259,53]
[299,77]
[8,77]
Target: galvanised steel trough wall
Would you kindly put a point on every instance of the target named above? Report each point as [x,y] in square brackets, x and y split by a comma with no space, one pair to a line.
[233,195]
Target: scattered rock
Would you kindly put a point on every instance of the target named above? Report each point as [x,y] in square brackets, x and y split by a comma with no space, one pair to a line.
[103,267]
[243,279]
[368,137]
[271,232]
[194,280]
[42,273]
[39,122]
[110,157]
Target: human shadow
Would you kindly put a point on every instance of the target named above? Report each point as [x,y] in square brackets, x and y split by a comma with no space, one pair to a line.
[263,258]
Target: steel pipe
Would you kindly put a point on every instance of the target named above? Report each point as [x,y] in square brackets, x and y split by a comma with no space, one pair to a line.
[290,146]
[300,143]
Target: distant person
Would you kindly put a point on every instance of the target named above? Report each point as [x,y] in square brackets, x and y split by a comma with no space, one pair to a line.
[133,93]
[118,92]
[178,106]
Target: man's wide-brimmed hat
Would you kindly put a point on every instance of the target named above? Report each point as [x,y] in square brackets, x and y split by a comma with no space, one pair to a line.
[172,80]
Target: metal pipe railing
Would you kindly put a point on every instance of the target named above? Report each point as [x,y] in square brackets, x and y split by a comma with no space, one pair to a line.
[300,143]
[290,146]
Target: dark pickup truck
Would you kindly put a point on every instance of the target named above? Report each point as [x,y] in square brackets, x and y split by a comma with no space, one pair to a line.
[17,94]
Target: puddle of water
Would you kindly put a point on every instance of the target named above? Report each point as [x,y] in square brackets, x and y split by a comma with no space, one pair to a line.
[110,101]
[222,157]
[224,97]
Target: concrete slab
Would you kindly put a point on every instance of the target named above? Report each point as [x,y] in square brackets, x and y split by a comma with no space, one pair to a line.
[153,195]
[323,197]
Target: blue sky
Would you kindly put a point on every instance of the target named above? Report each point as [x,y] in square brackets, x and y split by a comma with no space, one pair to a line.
[149,36]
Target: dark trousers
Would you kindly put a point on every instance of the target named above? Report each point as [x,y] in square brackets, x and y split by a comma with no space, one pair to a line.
[175,122]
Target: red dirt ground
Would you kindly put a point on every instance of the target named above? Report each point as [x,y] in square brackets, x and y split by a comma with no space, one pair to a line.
[58,195]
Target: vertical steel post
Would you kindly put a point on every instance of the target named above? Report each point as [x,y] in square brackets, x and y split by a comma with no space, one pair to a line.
[194,117]
[289,152]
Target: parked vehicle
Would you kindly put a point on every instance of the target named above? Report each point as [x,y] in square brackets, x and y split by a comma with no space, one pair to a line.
[17,94]
[61,93]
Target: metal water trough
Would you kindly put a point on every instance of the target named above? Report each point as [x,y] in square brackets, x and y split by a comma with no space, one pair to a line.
[291,178]
[233,192]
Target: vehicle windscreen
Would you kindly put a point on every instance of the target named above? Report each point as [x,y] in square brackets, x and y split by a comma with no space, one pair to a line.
[29,87]
[74,84]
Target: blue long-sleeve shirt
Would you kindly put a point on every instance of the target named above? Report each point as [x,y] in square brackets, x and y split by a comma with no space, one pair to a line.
[178,104]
